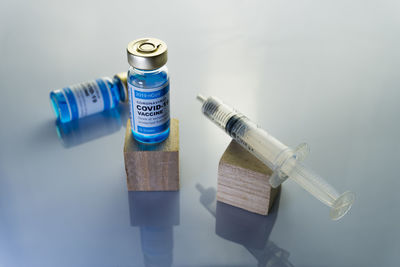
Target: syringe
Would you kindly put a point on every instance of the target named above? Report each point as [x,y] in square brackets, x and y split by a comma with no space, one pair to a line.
[284,161]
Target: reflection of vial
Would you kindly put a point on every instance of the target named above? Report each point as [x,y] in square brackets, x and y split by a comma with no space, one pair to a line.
[148,84]
[157,245]
[83,99]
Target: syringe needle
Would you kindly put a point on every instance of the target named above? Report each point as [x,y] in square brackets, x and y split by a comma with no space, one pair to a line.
[283,160]
[201,98]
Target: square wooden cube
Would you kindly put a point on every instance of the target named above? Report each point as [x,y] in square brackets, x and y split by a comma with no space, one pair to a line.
[243,181]
[152,167]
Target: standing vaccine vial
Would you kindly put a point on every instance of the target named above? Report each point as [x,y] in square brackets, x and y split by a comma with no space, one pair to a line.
[148,84]
[87,98]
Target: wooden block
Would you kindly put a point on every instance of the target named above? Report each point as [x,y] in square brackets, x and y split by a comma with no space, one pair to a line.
[243,181]
[152,167]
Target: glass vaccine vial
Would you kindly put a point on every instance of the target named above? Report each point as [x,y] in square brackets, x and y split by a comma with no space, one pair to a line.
[96,126]
[148,86]
[87,98]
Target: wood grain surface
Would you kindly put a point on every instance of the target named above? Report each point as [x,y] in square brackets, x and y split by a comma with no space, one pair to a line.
[152,167]
[243,181]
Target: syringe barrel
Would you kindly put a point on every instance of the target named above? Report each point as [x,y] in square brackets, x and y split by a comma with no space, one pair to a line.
[259,142]
[256,140]
[217,112]
[284,161]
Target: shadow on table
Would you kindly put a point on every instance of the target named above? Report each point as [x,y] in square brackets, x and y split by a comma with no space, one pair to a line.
[83,130]
[155,213]
[245,228]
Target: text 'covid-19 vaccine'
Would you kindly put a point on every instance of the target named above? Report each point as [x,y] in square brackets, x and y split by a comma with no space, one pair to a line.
[148,85]
[87,98]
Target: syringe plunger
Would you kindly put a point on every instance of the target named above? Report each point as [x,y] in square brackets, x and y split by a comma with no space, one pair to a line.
[284,161]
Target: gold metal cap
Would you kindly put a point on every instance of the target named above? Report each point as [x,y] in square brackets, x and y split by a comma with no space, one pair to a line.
[123,92]
[147,53]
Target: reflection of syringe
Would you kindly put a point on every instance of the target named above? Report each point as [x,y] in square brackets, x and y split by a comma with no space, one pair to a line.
[283,160]
[247,229]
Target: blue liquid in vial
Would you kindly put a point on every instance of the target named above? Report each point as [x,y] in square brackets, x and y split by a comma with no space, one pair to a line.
[81,100]
[149,80]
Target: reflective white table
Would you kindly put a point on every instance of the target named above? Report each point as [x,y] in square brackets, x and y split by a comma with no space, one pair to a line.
[324,73]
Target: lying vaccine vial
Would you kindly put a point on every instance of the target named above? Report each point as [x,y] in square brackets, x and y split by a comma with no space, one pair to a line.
[87,98]
[148,85]
[99,125]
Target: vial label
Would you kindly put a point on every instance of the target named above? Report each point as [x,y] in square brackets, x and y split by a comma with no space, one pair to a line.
[149,109]
[90,97]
